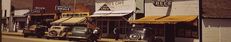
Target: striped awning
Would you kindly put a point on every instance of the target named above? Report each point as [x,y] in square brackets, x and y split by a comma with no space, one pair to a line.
[59,20]
[163,19]
[111,13]
[73,20]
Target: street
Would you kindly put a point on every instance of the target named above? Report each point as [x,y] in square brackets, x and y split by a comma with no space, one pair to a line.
[6,38]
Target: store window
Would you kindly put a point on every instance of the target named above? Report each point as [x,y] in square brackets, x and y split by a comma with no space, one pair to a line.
[76,15]
[187,31]
[102,25]
[83,15]
[65,15]
[125,27]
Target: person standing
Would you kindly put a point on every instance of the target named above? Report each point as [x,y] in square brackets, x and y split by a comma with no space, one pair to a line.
[116,33]
[95,35]
[89,35]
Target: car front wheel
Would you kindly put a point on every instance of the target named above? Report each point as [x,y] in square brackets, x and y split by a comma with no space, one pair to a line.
[135,36]
[25,35]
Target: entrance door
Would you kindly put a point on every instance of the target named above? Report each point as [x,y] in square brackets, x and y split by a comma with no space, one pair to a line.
[107,27]
[111,26]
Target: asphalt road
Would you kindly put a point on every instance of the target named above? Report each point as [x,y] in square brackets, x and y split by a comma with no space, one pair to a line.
[6,38]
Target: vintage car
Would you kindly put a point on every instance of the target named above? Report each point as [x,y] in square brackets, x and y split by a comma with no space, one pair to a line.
[35,30]
[77,33]
[137,33]
[141,33]
[59,32]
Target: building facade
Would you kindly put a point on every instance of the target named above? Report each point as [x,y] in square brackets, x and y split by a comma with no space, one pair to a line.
[111,14]
[21,8]
[88,4]
[216,30]
[6,15]
[74,12]
[43,12]
[172,20]
[1,25]
[215,21]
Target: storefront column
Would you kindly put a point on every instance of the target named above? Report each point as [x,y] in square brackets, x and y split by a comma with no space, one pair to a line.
[169,33]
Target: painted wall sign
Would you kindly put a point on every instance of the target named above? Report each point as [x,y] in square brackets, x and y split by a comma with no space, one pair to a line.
[116,5]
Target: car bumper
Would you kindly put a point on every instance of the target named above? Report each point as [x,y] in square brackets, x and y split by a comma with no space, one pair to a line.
[75,37]
[53,36]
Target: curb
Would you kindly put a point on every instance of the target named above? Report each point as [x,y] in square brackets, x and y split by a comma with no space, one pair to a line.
[12,34]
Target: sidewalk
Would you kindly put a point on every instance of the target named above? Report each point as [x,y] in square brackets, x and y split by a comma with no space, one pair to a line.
[101,40]
[12,33]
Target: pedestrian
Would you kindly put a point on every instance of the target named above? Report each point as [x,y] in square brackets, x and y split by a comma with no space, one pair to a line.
[96,35]
[93,35]
[116,32]
[89,34]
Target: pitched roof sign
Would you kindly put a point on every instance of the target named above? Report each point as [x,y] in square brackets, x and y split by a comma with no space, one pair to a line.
[105,8]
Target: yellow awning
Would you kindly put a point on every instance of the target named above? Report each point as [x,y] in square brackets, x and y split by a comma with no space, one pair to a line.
[163,20]
[74,20]
[59,20]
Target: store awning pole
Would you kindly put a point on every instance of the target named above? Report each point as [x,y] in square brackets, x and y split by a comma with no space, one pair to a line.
[169,32]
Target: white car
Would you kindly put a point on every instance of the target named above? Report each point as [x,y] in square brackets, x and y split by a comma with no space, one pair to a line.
[57,32]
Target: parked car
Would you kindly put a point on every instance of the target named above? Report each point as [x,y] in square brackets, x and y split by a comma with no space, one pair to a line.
[35,30]
[59,32]
[77,33]
[137,33]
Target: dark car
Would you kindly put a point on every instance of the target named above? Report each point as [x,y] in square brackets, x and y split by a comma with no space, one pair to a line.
[34,30]
[77,33]
[137,33]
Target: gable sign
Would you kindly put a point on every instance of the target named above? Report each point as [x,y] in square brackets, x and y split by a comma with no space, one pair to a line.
[105,8]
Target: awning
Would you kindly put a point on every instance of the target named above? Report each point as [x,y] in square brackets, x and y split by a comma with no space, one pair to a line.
[163,20]
[73,20]
[60,20]
[107,15]
[21,13]
[111,13]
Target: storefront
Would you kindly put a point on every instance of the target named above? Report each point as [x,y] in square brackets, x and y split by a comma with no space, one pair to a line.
[41,19]
[171,19]
[111,14]
[170,27]
[20,18]
[107,21]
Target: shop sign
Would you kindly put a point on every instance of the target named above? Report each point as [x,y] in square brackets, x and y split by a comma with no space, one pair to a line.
[105,8]
[162,3]
[63,8]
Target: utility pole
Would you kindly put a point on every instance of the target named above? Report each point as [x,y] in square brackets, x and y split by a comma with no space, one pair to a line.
[59,11]
[11,23]
[74,4]
[1,18]
[1,15]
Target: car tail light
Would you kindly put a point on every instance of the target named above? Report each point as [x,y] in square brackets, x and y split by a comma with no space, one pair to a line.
[69,33]
[46,33]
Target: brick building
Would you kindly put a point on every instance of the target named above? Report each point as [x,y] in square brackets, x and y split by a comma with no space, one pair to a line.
[43,12]
[216,21]
[74,9]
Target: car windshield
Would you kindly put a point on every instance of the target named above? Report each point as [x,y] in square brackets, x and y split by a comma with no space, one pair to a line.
[79,29]
[139,29]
